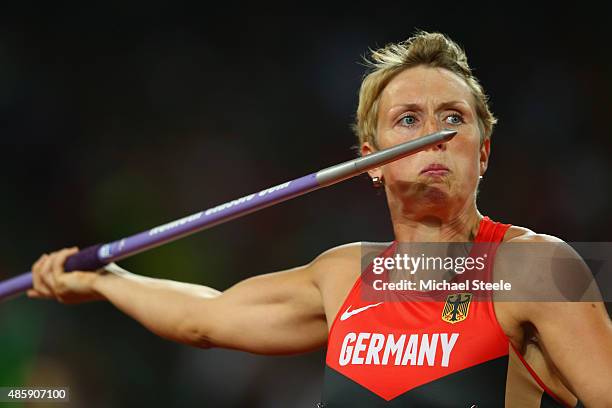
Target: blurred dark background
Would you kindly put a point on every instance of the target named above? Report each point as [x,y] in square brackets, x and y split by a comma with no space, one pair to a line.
[117,119]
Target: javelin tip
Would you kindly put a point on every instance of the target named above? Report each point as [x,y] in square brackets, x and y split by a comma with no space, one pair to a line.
[448,133]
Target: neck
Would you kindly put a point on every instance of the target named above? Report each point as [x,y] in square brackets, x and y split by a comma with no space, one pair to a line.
[460,226]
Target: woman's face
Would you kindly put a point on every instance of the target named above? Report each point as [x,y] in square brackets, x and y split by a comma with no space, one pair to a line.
[417,102]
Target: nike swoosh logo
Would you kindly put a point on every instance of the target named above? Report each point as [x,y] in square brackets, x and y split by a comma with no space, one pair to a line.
[348,312]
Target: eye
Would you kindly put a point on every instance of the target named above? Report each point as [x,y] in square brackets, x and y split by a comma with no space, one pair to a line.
[408,120]
[454,119]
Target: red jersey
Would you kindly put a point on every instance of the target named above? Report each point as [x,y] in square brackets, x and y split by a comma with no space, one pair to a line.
[450,352]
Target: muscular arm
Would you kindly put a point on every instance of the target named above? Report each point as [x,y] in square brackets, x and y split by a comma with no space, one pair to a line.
[276,313]
[576,334]
[578,338]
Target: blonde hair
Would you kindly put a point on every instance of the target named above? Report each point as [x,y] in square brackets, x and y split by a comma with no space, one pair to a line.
[429,49]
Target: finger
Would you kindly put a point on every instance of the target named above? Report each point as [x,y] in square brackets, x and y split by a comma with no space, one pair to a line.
[36,271]
[39,260]
[46,275]
[57,267]
[34,294]
[58,273]
[38,276]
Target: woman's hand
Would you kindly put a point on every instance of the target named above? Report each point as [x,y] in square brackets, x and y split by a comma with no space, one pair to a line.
[52,282]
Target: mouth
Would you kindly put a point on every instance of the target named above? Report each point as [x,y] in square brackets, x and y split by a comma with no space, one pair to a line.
[435,169]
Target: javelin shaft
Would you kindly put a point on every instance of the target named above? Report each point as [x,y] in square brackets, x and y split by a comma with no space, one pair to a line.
[97,256]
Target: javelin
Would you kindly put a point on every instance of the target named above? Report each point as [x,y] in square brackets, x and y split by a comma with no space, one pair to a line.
[97,256]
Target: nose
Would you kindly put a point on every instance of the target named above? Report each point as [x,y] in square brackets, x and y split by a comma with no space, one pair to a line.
[431,126]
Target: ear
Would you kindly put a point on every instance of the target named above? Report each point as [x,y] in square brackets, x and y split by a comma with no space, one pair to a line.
[485,153]
[367,148]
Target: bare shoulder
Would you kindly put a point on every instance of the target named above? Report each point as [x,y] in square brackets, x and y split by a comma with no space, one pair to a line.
[522,234]
[337,268]
[543,268]
[339,254]
[346,256]
[544,246]
[339,260]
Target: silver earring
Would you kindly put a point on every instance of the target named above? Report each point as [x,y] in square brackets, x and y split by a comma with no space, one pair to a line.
[480,177]
[377,182]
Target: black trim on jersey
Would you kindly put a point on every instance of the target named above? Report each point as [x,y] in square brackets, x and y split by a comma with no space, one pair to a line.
[483,385]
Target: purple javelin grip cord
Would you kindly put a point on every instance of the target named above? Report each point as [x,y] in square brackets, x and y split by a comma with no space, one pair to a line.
[97,256]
